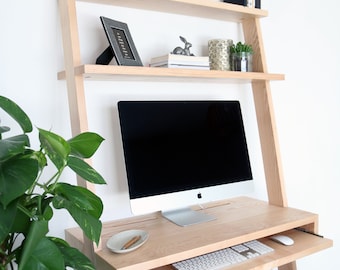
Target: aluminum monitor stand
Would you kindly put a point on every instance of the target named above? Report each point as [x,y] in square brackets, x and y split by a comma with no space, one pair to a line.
[186,216]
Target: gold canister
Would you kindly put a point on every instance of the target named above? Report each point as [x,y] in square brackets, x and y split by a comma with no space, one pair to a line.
[219,54]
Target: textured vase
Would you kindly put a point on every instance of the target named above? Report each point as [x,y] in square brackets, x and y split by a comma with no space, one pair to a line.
[219,54]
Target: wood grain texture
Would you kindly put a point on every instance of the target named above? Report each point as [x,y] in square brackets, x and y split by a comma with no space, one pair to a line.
[101,72]
[199,8]
[75,87]
[237,220]
[266,117]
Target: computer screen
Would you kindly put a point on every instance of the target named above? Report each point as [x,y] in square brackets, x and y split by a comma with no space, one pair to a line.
[172,147]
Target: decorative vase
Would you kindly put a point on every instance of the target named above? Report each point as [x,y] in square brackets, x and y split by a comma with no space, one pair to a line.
[242,61]
[219,54]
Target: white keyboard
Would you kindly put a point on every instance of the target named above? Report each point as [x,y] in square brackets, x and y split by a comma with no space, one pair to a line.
[225,257]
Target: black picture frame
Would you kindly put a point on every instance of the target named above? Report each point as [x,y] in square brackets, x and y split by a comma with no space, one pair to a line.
[121,46]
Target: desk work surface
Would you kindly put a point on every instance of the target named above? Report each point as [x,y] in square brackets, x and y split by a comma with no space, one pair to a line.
[237,220]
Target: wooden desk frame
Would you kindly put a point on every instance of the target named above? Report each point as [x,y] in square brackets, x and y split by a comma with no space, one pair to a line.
[248,229]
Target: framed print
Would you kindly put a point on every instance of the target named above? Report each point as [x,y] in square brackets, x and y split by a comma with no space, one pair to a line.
[121,44]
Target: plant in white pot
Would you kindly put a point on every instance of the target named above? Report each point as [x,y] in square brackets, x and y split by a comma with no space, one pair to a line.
[28,197]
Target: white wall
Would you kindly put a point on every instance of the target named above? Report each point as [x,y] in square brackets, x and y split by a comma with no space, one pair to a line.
[301,41]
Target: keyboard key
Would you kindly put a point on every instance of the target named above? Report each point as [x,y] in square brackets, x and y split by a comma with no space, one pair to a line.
[224,257]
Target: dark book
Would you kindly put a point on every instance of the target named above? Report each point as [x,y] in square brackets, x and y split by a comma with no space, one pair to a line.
[243,2]
[237,2]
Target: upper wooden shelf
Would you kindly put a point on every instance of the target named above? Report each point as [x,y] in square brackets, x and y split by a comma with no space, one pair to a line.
[116,72]
[210,9]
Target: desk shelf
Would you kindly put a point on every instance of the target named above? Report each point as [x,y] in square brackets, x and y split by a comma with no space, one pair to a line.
[237,221]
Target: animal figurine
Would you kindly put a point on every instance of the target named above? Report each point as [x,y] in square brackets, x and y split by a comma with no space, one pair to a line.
[185,50]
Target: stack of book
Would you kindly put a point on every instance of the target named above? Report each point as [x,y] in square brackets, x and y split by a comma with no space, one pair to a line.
[180,61]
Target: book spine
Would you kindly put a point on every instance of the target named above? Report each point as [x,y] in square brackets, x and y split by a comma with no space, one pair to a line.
[180,59]
[237,2]
[204,67]
[246,3]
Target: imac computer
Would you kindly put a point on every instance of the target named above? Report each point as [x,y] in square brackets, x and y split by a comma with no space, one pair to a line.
[181,153]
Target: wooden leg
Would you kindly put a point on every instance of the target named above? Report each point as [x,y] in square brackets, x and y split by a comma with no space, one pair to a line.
[265,117]
[288,266]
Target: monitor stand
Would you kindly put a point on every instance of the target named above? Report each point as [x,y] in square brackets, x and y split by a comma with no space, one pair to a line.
[186,216]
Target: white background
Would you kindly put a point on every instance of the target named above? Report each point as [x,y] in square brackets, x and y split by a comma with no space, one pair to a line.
[301,39]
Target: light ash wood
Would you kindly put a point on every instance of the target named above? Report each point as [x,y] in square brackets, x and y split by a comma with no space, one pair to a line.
[75,86]
[266,117]
[238,220]
[111,72]
[247,228]
[210,9]
[266,122]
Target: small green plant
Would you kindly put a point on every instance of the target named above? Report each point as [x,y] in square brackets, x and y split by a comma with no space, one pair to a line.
[27,201]
[241,57]
[241,47]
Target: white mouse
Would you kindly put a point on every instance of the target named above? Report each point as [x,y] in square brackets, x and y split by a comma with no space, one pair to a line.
[282,239]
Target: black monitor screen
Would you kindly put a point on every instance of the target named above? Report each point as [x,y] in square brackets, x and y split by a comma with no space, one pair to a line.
[172,146]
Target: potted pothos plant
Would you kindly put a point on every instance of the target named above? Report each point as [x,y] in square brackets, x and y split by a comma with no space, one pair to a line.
[29,197]
[241,57]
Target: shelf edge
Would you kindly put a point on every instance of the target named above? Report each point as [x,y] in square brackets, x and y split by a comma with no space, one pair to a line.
[112,72]
[200,8]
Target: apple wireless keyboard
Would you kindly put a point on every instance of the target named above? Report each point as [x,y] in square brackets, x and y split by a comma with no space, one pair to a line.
[220,259]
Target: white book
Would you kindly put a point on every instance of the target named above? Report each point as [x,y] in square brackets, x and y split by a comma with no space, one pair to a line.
[178,59]
[206,67]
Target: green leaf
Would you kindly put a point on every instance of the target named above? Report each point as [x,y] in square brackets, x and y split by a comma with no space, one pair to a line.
[58,241]
[81,198]
[72,256]
[12,146]
[85,144]
[240,47]
[7,219]
[46,256]
[4,129]
[40,157]
[22,220]
[84,170]
[16,176]
[37,232]
[84,206]
[57,149]
[48,213]
[89,224]
[16,113]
